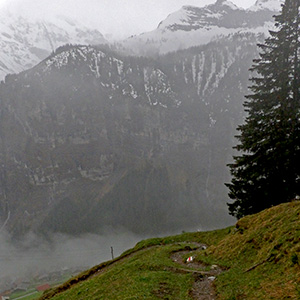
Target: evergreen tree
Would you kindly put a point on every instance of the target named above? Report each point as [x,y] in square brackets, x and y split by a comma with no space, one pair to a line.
[267,172]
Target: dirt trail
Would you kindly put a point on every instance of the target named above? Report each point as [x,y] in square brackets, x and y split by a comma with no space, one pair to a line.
[203,288]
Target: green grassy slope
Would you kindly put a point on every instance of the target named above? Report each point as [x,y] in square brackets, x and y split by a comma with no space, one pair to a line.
[260,258]
[263,256]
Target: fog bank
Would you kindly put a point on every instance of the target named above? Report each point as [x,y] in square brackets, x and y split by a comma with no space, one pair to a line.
[33,256]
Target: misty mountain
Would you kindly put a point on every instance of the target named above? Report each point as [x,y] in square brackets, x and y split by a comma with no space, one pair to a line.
[194,26]
[90,139]
[24,43]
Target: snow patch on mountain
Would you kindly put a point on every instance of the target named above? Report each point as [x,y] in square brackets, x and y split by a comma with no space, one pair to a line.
[74,55]
[227,3]
[273,5]
[179,17]
[194,26]
[24,43]
[111,73]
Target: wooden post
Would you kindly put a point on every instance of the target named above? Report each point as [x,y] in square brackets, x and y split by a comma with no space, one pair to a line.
[112,252]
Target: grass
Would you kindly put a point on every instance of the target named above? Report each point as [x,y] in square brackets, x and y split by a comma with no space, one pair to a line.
[260,255]
[260,258]
[28,295]
[35,296]
[146,274]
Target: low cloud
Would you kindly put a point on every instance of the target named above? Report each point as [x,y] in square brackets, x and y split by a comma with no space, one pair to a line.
[33,255]
[117,18]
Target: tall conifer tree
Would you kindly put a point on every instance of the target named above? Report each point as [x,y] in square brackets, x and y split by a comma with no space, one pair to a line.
[267,172]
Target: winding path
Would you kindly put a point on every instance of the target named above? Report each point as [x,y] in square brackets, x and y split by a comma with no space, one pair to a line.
[203,288]
[204,276]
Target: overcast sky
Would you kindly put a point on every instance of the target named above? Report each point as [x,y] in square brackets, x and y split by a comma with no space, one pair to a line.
[121,18]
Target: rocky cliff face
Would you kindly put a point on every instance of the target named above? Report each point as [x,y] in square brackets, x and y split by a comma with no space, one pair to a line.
[92,139]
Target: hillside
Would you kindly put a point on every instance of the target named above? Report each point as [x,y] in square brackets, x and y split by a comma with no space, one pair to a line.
[256,259]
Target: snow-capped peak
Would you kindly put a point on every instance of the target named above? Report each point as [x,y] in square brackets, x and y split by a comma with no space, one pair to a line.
[227,3]
[24,42]
[198,16]
[272,5]
[193,26]
[179,17]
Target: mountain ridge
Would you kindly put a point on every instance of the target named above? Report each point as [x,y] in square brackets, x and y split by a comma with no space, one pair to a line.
[25,42]
[194,26]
